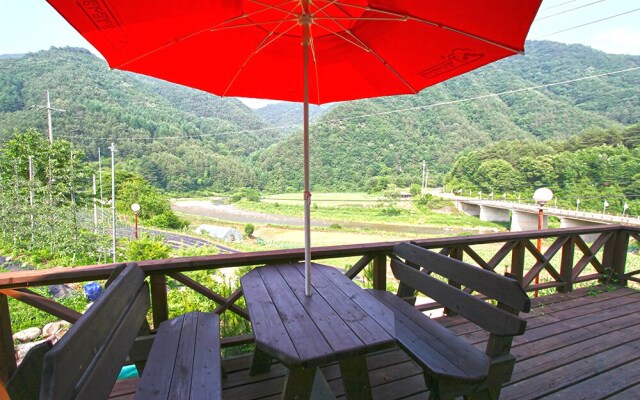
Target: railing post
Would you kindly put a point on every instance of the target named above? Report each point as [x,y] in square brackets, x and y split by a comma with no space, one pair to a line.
[380,272]
[517,262]
[159,299]
[458,254]
[566,265]
[615,255]
[7,351]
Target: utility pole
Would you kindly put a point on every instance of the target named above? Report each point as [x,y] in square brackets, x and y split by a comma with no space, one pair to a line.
[49,109]
[101,197]
[31,192]
[113,199]
[95,206]
[425,176]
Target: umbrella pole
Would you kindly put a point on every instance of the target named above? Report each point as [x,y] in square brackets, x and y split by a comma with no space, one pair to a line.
[305,138]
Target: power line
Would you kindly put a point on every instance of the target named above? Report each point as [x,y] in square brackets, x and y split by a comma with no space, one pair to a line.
[588,23]
[433,105]
[558,5]
[490,95]
[569,10]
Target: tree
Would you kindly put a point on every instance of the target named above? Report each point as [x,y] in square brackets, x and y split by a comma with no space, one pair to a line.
[415,189]
[497,176]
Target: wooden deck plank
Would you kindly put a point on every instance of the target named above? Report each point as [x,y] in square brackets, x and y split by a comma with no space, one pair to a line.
[601,386]
[572,373]
[631,393]
[592,352]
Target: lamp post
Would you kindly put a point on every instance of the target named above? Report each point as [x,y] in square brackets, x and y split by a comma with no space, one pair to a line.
[135,207]
[541,196]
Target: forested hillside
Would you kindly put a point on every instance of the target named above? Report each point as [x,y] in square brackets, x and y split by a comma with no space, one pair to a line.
[348,151]
[288,116]
[585,171]
[181,139]
[186,140]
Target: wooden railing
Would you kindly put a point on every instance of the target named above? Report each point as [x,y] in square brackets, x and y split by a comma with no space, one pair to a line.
[565,262]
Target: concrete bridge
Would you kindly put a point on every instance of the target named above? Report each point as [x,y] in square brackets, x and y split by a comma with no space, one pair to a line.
[524,217]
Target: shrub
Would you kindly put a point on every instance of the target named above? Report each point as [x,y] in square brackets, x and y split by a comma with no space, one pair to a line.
[249,229]
[146,248]
[168,220]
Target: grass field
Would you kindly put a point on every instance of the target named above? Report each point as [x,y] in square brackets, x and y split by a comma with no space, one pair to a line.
[332,199]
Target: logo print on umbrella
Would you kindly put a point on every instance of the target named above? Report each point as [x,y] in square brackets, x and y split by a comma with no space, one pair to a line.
[457,58]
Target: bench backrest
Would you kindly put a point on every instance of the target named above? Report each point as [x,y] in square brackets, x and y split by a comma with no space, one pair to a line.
[86,362]
[500,320]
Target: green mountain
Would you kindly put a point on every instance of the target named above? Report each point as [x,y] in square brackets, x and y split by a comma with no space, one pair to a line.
[287,116]
[355,144]
[186,140]
[181,139]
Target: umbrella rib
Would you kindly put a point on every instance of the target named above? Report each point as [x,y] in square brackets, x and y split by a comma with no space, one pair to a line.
[436,24]
[210,29]
[215,27]
[164,46]
[367,48]
[275,21]
[277,6]
[321,9]
[264,43]
[364,19]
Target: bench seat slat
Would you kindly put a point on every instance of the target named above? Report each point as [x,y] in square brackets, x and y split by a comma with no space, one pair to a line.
[184,362]
[432,345]
[207,359]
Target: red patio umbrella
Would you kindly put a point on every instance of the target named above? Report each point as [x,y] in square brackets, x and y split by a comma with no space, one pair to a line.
[316,51]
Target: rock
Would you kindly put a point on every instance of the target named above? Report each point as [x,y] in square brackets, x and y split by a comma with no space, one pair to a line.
[60,291]
[27,335]
[51,328]
[61,333]
[23,349]
[11,267]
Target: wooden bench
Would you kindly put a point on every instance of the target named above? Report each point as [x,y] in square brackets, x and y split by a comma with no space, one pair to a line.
[453,367]
[86,362]
[184,362]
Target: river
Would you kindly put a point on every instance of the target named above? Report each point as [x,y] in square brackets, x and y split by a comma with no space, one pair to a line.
[228,212]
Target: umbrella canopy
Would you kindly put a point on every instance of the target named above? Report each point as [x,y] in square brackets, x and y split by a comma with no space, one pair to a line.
[301,50]
[252,48]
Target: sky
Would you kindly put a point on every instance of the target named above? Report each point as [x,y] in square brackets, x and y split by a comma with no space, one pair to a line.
[33,25]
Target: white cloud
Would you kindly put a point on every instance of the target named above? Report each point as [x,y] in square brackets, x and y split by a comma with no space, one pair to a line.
[256,103]
[617,41]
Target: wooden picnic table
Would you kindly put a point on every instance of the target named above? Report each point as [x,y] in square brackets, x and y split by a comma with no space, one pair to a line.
[339,322]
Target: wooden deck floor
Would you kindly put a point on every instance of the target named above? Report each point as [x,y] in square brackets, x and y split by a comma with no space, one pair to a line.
[577,346]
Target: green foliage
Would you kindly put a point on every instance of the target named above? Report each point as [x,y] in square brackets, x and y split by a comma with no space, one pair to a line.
[249,229]
[415,189]
[191,251]
[146,248]
[41,217]
[579,168]
[245,193]
[181,140]
[155,209]
[168,219]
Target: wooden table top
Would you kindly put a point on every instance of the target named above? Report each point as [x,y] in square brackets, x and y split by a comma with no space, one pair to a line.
[338,321]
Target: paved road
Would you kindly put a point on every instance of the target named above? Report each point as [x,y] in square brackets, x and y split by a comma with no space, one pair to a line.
[175,240]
